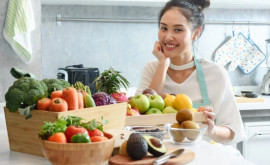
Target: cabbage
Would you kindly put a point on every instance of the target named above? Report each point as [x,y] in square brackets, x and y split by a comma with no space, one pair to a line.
[102,98]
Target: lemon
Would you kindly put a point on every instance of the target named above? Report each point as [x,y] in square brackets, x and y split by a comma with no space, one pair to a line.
[182,101]
[168,100]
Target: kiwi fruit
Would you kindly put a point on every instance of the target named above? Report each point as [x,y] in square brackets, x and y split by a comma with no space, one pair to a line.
[176,125]
[191,134]
[184,115]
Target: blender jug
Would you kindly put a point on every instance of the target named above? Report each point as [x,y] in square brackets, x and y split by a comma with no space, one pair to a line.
[265,86]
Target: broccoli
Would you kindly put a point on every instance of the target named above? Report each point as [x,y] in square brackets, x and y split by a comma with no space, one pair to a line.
[55,84]
[24,92]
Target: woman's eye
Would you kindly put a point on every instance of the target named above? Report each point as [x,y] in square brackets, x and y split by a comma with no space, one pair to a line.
[178,30]
[163,28]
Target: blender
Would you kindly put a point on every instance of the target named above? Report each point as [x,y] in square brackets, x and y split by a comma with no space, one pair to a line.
[265,86]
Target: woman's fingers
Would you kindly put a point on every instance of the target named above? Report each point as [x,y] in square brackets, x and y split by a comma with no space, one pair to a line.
[157,51]
[210,115]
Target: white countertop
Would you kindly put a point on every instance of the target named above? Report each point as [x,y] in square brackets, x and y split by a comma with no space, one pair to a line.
[205,153]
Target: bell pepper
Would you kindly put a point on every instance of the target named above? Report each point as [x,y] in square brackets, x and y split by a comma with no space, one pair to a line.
[80,138]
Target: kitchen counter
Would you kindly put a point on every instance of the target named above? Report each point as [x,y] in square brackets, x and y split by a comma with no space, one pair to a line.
[205,153]
[256,105]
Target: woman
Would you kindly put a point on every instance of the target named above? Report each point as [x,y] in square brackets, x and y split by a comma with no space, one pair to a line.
[178,70]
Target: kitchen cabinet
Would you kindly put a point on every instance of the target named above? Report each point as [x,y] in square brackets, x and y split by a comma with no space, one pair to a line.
[256,147]
[246,4]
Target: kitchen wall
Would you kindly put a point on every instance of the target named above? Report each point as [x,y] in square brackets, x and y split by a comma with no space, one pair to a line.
[9,59]
[128,46]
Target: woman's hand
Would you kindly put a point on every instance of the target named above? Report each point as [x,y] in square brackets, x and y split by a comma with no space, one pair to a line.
[210,116]
[158,52]
[219,134]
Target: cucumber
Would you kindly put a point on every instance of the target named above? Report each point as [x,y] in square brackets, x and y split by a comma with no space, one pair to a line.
[88,101]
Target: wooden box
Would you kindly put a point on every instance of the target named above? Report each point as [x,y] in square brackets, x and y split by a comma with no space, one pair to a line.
[159,119]
[23,134]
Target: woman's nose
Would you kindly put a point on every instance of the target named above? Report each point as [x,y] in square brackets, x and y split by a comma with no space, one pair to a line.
[169,36]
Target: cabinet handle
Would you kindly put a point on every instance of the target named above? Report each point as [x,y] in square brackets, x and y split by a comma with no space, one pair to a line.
[258,134]
[262,133]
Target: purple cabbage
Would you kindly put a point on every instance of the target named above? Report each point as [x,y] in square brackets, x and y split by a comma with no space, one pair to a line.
[102,98]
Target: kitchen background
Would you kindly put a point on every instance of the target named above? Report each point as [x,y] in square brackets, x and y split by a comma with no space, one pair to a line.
[125,46]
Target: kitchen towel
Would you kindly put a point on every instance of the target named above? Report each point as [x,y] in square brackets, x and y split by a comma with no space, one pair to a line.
[240,52]
[18,26]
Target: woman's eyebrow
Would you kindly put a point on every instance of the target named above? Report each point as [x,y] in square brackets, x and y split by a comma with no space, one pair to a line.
[164,24]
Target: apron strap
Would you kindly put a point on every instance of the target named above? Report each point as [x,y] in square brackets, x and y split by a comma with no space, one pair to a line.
[202,83]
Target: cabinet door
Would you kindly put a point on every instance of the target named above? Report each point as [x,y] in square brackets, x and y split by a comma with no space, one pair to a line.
[257,146]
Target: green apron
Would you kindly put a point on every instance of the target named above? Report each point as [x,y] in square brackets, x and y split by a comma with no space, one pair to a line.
[203,87]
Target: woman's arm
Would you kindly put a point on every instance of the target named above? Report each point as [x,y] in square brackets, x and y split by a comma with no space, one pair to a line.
[158,80]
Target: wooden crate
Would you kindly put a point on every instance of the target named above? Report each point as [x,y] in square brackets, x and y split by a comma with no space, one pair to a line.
[23,134]
[159,119]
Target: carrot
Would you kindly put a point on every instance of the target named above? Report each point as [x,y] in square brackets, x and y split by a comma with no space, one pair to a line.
[58,137]
[71,96]
[44,103]
[58,105]
[80,100]
[56,94]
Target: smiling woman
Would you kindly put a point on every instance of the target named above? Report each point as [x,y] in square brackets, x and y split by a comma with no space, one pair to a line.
[178,70]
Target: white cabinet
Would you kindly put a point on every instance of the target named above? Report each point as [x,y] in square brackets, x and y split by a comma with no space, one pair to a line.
[251,4]
[257,146]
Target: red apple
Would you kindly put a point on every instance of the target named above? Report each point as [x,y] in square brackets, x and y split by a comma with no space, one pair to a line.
[132,111]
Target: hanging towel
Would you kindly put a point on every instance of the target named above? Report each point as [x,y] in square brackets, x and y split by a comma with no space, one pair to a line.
[18,26]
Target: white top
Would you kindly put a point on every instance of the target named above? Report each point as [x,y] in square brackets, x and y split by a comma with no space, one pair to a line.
[220,93]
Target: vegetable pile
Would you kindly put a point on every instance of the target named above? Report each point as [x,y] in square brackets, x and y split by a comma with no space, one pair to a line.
[28,93]
[70,129]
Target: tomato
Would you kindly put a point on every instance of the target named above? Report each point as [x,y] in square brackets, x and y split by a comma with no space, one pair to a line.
[80,138]
[95,132]
[72,130]
[58,137]
[98,138]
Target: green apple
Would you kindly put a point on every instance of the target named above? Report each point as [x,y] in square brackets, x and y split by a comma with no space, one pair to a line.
[156,101]
[153,111]
[169,109]
[141,102]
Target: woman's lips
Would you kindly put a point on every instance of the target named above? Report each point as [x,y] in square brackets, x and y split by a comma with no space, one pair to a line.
[170,46]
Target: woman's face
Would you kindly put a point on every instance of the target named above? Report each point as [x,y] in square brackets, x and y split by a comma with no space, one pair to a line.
[175,34]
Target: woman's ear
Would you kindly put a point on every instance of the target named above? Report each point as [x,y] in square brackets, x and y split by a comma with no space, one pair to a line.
[197,33]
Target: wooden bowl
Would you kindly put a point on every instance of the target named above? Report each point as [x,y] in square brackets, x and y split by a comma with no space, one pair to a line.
[96,153]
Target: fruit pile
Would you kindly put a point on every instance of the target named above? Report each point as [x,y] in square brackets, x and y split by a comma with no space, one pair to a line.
[70,129]
[149,102]
[137,146]
[185,127]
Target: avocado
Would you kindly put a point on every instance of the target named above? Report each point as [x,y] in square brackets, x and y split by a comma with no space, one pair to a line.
[155,146]
[137,147]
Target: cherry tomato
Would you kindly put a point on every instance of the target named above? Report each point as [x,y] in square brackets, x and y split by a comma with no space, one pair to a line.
[95,132]
[98,138]
[72,130]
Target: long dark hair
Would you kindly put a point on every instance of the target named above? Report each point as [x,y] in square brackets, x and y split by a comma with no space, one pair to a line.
[191,9]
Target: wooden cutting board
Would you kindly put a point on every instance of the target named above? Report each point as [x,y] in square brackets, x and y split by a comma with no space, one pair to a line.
[248,100]
[184,158]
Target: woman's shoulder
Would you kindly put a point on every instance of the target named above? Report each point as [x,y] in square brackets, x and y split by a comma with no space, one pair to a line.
[151,65]
[211,65]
